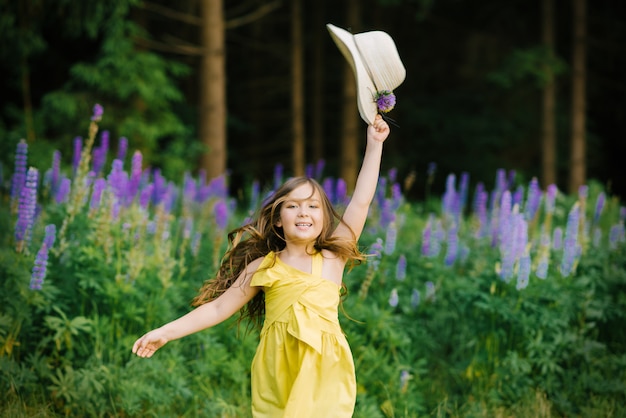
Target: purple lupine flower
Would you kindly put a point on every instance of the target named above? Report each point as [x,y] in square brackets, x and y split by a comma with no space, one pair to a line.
[328,187]
[308,171]
[583,192]
[220,212]
[430,291]
[463,191]
[387,214]
[449,198]
[341,192]
[390,238]
[118,181]
[135,175]
[557,238]
[145,197]
[393,298]
[50,235]
[427,236]
[616,235]
[78,150]
[524,272]
[550,198]
[278,175]
[501,181]
[453,246]
[122,148]
[39,268]
[518,196]
[401,268]
[98,111]
[19,175]
[392,175]
[169,197]
[381,191]
[599,207]
[55,171]
[319,169]
[376,252]
[159,187]
[100,153]
[96,193]
[511,180]
[396,196]
[480,209]
[571,241]
[415,298]
[533,199]
[189,188]
[504,217]
[63,192]
[26,209]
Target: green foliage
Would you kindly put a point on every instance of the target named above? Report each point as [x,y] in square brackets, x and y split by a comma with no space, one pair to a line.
[471,345]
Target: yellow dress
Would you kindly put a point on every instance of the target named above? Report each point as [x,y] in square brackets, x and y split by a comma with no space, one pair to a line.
[303,367]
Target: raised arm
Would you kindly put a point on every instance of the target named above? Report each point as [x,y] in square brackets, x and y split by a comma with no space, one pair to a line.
[204,316]
[365,188]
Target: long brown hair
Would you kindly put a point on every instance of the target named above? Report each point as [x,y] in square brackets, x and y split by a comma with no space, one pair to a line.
[261,235]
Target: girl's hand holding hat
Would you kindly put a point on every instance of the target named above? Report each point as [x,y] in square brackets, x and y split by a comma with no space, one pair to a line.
[379,130]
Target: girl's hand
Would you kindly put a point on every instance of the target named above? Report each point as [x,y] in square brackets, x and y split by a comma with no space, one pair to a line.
[379,130]
[147,345]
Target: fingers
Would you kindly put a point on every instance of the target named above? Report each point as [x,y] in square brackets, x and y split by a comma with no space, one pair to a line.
[143,348]
[379,124]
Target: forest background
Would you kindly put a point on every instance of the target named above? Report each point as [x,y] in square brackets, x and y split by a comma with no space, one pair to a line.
[500,298]
[242,86]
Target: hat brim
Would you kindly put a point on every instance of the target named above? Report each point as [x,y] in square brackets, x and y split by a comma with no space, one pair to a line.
[365,88]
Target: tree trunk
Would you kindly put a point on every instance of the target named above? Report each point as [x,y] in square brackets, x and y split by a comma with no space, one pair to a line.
[297,88]
[317,110]
[350,115]
[212,117]
[548,128]
[578,165]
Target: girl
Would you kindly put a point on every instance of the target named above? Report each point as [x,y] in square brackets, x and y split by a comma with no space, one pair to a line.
[288,265]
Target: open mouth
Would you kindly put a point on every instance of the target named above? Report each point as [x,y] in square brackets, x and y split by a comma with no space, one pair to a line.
[303,225]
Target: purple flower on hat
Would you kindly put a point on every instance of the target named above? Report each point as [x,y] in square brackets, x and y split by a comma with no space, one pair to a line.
[385,100]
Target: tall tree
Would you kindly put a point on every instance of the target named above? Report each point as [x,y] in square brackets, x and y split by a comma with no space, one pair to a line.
[317,94]
[548,128]
[212,99]
[578,166]
[350,116]
[297,88]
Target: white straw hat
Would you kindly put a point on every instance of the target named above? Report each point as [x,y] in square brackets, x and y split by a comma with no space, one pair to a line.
[377,68]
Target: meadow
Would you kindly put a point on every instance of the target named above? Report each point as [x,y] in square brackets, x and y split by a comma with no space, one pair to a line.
[507,301]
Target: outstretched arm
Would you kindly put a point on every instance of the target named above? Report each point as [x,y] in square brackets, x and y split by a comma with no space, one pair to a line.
[204,316]
[356,211]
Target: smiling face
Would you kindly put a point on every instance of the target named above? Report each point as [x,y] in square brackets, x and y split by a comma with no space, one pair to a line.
[302,215]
